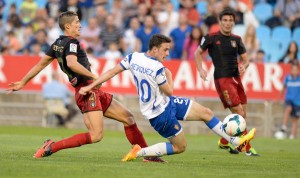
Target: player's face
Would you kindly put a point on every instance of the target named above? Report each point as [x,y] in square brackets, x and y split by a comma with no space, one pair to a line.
[75,27]
[295,70]
[163,52]
[226,24]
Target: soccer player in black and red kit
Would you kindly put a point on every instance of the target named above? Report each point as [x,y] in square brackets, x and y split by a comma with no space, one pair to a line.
[74,63]
[224,48]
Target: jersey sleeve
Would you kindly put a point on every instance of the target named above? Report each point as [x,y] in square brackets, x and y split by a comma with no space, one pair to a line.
[50,51]
[125,63]
[241,47]
[205,41]
[72,47]
[161,76]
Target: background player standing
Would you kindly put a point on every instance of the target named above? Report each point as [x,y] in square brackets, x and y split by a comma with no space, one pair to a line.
[291,86]
[224,47]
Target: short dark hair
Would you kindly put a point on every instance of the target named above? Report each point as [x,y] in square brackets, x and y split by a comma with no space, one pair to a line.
[294,62]
[66,17]
[261,51]
[227,11]
[158,39]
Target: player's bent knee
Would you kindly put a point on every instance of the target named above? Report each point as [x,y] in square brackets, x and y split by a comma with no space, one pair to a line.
[180,148]
[96,137]
[207,114]
[130,119]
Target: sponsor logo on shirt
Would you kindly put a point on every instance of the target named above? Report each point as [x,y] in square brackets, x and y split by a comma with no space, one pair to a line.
[73,47]
[233,43]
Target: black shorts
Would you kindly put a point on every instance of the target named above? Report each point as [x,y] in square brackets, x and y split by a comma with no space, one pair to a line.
[295,108]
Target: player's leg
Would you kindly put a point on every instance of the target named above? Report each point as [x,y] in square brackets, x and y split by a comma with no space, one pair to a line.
[239,106]
[294,128]
[239,109]
[119,113]
[93,118]
[286,115]
[176,145]
[167,125]
[295,116]
[199,112]
[223,86]
[115,110]
[93,121]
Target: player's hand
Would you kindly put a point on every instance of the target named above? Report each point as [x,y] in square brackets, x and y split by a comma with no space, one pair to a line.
[203,74]
[14,86]
[84,90]
[242,68]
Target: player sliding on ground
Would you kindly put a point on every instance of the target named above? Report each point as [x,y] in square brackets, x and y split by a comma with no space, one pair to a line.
[155,87]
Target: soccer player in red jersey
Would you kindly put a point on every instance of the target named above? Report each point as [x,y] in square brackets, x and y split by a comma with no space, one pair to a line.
[73,61]
[224,48]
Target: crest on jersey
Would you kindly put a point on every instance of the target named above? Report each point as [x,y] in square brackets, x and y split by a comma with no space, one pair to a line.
[176,127]
[92,100]
[226,97]
[233,43]
[73,47]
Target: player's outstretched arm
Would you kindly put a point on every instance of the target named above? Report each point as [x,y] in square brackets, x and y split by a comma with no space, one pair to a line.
[15,86]
[103,78]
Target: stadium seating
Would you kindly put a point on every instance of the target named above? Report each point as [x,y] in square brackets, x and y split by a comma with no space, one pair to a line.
[202,8]
[263,32]
[281,33]
[275,56]
[263,12]
[272,50]
[239,30]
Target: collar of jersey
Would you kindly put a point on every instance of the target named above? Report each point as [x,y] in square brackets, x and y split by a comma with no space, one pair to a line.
[67,36]
[153,58]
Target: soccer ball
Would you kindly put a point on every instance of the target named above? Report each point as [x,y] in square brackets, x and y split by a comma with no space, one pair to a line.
[280,135]
[234,125]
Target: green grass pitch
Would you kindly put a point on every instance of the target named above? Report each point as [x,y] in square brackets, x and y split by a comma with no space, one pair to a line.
[280,158]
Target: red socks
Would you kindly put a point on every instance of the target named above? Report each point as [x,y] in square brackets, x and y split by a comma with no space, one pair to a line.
[223,141]
[248,146]
[134,135]
[71,142]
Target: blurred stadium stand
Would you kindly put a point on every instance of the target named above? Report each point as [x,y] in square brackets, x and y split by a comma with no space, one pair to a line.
[27,109]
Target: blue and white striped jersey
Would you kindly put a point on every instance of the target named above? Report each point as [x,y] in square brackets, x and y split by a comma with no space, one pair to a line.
[148,74]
